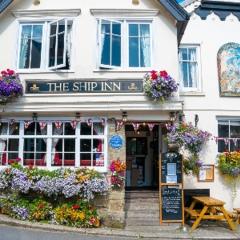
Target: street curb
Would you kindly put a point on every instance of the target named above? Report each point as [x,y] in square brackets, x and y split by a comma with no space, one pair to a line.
[5,220]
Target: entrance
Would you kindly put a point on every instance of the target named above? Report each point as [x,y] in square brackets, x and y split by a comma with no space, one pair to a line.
[142,150]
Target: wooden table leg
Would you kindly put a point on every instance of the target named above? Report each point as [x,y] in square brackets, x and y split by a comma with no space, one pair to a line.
[230,223]
[198,220]
[191,208]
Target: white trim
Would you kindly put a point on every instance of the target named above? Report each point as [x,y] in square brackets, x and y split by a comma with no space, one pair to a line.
[46,13]
[124,12]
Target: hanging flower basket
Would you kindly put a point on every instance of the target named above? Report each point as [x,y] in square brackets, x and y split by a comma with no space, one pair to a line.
[159,86]
[191,140]
[10,86]
[229,164]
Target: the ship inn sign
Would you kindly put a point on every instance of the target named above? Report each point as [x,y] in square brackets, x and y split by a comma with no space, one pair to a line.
[81,86]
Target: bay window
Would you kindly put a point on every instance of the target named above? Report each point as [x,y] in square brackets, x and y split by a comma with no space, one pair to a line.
[54,143]
[125,44]
[45,45]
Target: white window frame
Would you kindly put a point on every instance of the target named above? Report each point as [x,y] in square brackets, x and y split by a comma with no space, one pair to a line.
[124,43]
[198,87]
[49,138]
[44,65]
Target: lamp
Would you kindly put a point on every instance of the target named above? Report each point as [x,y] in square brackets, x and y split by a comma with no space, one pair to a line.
[135,2]
[77,116]
[124,116]
[34,117]
[196,119]
[36,2]
[172,117]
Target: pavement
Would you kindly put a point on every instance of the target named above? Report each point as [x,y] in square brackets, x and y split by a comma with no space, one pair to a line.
[12,229]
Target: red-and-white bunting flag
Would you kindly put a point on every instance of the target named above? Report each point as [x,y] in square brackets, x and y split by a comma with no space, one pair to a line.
[89,122]
[226,141]
[151,126]
[58,124]
[27,124]
[42,125]
[119,125]
[235,140]
[74,124]
[136,126]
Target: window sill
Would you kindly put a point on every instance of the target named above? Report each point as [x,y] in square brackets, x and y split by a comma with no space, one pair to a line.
[43,71]
[140,70]
[197,94]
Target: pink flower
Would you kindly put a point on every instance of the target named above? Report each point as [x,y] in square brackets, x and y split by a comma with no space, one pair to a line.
[154,75]
[163,74]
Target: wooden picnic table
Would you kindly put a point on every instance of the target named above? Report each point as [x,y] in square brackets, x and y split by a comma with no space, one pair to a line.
[213,209]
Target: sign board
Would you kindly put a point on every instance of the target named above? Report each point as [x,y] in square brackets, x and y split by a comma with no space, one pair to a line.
[171,203]
[116,142]
[171,168]
[83,86]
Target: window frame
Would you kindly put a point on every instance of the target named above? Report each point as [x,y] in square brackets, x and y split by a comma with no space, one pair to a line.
[198,81]
[229,120]
[45,45]
[125,43]
[49,136]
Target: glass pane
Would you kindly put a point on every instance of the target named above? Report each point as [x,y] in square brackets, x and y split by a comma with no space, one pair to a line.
[223,129]
[98,145]
[133,52]
[3,158]
[184,74]
[116,51]
[133,30]
[37,31]
[85,129]
[69,145]
[235,129]
[26,31]
[61,26]
[98,129]
[57,128]
[105,27]
[98,159]
[3,128]
[13,145]
[69,159]
[52,47]
[60,50]
[14,129]
[145,30]
[41,128]
[36,53]
[53,28]
[183,54]
[28,159]
[85,159]
[85,145]
[30,130]
[29,145]
[145,58]
[193,75]
[69,130]
[116,28]
[59,145]
[12,157]
[40,159]
[105,55]
[41,145]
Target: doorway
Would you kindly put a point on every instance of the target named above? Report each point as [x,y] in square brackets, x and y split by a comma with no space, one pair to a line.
[142,155]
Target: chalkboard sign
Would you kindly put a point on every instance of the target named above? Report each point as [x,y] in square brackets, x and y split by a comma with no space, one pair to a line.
[171,203]
[171,168]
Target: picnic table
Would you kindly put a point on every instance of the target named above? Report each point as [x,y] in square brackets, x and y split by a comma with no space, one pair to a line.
[213,209]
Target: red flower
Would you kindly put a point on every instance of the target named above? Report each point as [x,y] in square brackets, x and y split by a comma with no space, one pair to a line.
[10,72]
[154,75]
[4,73]
[75,206]
[163,74]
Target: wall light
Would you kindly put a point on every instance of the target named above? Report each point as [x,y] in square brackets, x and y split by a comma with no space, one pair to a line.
[124,117]
[172,116]
[196,119]
[34,117]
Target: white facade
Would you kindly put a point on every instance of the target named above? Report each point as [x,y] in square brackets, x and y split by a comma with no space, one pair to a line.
[210,35]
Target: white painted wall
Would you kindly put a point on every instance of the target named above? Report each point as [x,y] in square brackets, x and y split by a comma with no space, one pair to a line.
[211,34]
[84,57]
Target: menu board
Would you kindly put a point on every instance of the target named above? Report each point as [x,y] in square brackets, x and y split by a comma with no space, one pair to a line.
[171,168]
[172,204]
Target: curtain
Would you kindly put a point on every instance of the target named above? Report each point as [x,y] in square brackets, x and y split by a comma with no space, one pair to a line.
[43,130]
[69,42]
[145,45]
[98,128]
[24,53]
[3,143]
[55,156]
[192,68]
[103,41]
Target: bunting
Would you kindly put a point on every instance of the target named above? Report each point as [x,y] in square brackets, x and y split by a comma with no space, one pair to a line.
[27,124]
[136,126]
[58,124]
[227,140]
[89,122]
[74,124]
[151,126]
[103,121]
[42,125]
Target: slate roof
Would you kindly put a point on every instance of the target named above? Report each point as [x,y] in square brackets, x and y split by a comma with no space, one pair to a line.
[220,8]
[4,4]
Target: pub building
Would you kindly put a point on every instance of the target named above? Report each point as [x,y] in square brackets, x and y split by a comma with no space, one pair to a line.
[82,65]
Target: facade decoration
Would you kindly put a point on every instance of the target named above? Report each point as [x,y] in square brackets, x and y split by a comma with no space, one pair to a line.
[191,141]
[10,85]
[228,69]
[159,86]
